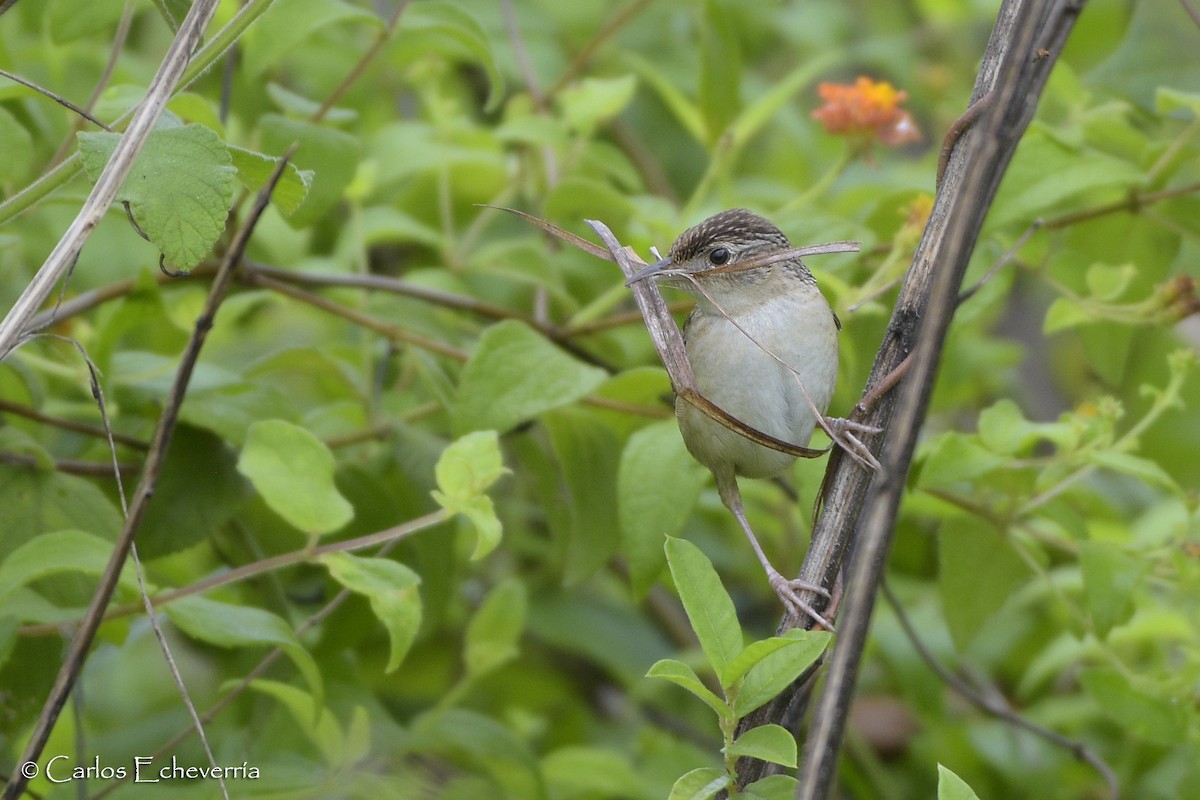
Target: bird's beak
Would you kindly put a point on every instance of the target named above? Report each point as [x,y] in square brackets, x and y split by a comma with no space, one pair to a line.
[650,271]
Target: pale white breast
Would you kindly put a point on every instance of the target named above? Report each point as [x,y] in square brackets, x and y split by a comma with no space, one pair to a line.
[741,377]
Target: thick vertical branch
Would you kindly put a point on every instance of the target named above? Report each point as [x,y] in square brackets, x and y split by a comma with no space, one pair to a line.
[1025,42]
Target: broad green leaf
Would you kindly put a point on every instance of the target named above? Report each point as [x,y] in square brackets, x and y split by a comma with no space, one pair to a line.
[978,571]
[806,646]
[581,771]
[592,101]
[683,676]
[1109,577]
[658,482]
[453,22]
[707,604]
[330,156]
[466,469]
[18,148]
[55,553]
[1107,282]
[288,23]
[952,787]
[391,588]
[686,112]
[1064,313]
[228,625]
[468,736]
[1142,711]
[699,784]
[179,190]
[36,502]
[316,721]
[587,452]
[516,374]
[1167,101]
[495,629]
[770,742]
[1128,464]
[293,472]
[198,491]
[953,458]
[772,787]
[254,169]
[775,672]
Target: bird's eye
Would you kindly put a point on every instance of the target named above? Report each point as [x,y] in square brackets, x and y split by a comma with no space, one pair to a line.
[719,256]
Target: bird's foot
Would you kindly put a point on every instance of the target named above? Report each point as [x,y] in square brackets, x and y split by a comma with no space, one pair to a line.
[789,594]
[842,431]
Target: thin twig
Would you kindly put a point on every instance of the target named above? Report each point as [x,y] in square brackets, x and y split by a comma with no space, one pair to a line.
[69,424]
[62,101]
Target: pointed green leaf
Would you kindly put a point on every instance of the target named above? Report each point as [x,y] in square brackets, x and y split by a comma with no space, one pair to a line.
[657,485]
[55,553]
[293,472]
[466,469]
[315,721]
[772,787]
[769,742]
[813,644]
[228,625]
[495,629]
[707,604]
[683,676]
[592,101]
[952,787]
[391,588]
[775,672]
[699,784]
[254,169]
[516,374]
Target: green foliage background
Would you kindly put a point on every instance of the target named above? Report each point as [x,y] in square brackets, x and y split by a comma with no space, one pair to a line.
[1049,547]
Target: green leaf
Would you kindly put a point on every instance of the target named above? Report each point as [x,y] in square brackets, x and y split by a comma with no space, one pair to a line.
[293,472]
[56,553]
[813,644]
[586,450]
[450,21]
[180,188]
[952,787]
[1143,469]
[775,671]
[978,571]
[391,588]
[198,491]
[36,502]
[1145,713]
[1109,578]
[1167,101]
[582,771]
[770,742]
[683,676]
[592,101]
[287,24]
[1064,313]
[228,625]
[514,375]
[18,148]
[686,112]
[1107,282]
[464,471]
[658,482]
[254,169]
[954,458]
[329,155]
[699,784]
[707,604]
[495,629]
[315,721]
[772,787]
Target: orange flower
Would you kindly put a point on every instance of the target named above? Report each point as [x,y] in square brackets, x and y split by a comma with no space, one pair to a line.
[868,111]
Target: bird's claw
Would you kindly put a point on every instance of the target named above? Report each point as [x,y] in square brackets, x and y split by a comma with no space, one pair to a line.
[842,431]
[788,592]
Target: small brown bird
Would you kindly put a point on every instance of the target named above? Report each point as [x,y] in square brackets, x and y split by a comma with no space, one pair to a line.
[762,342]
